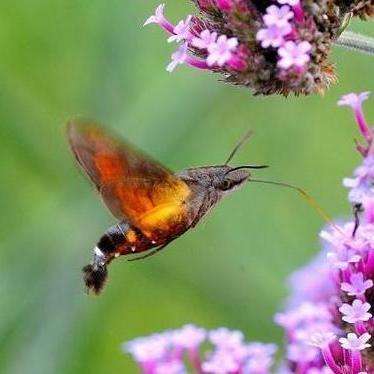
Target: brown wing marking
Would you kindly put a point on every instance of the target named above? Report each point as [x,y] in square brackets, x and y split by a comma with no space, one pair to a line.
[132,185]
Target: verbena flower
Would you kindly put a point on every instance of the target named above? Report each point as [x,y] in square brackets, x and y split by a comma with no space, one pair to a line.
[357,312]
[220,351]
[328,320]
[268,46]
[357,285]
[331,306]
[294,54]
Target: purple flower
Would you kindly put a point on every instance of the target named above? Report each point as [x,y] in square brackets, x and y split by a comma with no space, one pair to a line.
[231,37]
[361,186]
[179,57]
[322,370]
[304,333]
[149,348]
[313,282]
[273,36]
[355,102]
[225,5]
[344,248]
[278,16]
[220,52]
[342,258]
[170,367]
[297,8]
[304,314]
[225,338]
[160,19]
[175,350]
[357,286]
[301,352]
[349,247]
[157,17]
[327,302]
[357,312]
[189,336]
[368,206]
[258,365]
[221,362]
[181,31]
[205,40]
[322,339]
[261,349]
[289,2]
[259,358]
[293,54]
[355,343]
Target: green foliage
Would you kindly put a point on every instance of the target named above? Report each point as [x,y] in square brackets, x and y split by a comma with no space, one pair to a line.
[61,58]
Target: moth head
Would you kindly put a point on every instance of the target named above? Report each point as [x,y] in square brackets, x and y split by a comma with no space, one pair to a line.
[227,179]
[232,178]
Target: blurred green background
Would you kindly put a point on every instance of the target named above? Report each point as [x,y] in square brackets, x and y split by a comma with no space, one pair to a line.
[61,58]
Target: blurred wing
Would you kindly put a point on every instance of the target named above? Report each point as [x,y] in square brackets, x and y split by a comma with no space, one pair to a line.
[132,185]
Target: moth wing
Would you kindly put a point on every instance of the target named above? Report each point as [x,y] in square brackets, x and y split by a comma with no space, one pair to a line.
[132,185]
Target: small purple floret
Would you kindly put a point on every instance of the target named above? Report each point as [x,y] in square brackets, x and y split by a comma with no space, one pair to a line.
[175,350]
[355,102]
[294,54]
[343,328]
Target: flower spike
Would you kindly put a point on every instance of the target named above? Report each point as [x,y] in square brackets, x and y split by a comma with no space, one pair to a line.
[332,299]
[169,352]
[270,47]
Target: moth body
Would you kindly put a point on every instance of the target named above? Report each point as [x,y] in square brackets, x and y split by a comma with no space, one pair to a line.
[153,206]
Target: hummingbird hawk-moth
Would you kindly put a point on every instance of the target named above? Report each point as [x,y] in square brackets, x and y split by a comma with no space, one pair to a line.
[153,205]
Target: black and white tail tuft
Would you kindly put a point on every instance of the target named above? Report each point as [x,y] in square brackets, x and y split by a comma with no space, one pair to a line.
[94,277]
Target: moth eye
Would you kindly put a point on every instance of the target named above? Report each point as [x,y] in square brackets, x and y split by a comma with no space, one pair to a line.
[226,185]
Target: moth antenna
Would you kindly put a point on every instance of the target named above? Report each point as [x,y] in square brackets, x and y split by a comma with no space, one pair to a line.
[240,143]
[247,167]
[309,199]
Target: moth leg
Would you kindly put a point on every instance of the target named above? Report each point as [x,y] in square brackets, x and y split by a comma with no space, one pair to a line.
[202,204]
[149,254]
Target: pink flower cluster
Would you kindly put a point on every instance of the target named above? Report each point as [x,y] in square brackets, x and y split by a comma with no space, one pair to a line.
[204,48]
[268,46]
[173,351]
[281,34]
[215,51]
[329,323]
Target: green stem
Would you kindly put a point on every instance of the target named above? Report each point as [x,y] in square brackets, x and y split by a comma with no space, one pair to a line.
[356,42]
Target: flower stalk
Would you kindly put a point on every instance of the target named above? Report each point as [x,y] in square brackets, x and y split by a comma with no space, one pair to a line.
[356,42]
